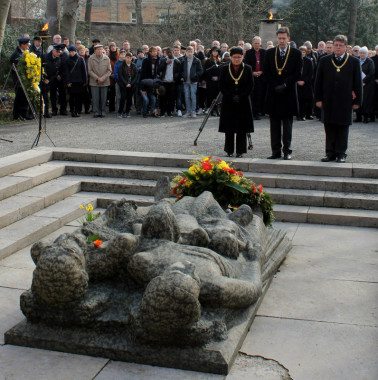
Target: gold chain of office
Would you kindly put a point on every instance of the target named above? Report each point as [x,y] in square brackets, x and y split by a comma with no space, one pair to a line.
[279,69]
[238,78]
[338,68]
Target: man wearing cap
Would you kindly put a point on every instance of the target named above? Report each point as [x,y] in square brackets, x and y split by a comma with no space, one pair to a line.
[96,41]
[99,71]
[55,79]
[282,69]
[36,46]
[20,105]
[236,85]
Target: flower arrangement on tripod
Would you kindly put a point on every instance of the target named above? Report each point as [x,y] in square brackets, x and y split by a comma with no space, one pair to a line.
[29,69]
[229,187]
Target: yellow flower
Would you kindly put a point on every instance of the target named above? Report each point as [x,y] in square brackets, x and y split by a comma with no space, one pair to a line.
[89,208]
[81,206]
[235,178]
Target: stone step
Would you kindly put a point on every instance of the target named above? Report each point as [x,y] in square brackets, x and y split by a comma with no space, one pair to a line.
[32,228]
[289,181]
[323,198]
[28,178]
[28,202]
[255,165]
[326,215]
[115,185]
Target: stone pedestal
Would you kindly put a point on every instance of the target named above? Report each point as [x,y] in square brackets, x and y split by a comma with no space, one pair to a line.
[267,31]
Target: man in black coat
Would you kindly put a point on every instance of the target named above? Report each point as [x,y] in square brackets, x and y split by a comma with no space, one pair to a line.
[375,60]
[255,58]
[55,72]
[282,69]
[149,69]
[236,85]
[338,90]
[20,105]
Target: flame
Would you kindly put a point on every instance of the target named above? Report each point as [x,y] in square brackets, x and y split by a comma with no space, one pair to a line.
[45,27]
[270,15]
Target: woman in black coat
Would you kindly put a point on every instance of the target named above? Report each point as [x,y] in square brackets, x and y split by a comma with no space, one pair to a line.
[211,75]
[368,70]
[236,85]
[76,79]
[305,90]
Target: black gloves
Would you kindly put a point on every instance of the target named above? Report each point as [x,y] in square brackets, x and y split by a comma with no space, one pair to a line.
[280,88]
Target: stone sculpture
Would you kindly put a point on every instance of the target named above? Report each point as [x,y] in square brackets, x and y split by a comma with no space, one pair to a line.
[167,275]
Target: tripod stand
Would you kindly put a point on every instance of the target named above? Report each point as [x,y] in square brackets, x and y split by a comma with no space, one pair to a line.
[214,103]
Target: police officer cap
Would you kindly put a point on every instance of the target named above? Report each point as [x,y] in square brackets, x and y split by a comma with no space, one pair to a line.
[72,48]
[23,40]
[236,50]
[59,47]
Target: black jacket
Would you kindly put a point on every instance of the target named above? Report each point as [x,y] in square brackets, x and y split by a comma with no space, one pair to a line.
[37,52]
[368,106]
[282,104]
[146,71]
[16,55]
[250,58]
[236,112]
[335,89]
[75,70]
[305,92]
[176,69]
[126,75]
[55,66]
[195,70]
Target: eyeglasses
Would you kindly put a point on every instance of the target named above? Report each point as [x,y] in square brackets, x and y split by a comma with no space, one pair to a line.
[356,50]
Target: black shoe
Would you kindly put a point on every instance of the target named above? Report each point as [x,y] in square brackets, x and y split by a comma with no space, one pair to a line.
[366,120]
[309,118]
[54,113]
[63,113]
[19,118]
[274,157]
[28,117]
[230,155]
[87,112]
[328,159]
[239,155]
[47,115]
[73,114]
[256,117]
[341,158]
[358,120]
[144,116]
[287,156]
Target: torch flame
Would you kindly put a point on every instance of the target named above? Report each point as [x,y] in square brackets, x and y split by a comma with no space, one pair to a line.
[45,27]
[270,15]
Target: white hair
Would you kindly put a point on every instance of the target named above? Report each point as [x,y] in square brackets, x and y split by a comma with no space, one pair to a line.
[256,38]
[364,49]
[376,47]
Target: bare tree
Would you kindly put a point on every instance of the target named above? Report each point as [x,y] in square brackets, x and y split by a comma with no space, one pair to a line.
[353,9]
[69,18]
[87,18]
[4,8]
[52,16]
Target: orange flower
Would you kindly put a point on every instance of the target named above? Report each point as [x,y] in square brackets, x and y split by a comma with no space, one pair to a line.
[97,243]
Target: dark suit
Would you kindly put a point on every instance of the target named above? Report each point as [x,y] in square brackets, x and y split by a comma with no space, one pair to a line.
[375,60]
[282,105]
[259,88]
[335,89]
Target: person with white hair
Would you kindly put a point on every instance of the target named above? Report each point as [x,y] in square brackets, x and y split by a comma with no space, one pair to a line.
[356,51]
[368,71]
[247,46]
[321,49]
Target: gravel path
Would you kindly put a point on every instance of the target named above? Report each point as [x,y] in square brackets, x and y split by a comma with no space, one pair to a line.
[176,135]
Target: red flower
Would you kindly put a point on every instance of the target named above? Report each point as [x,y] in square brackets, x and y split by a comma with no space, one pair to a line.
[174,190]
[206,165]
[218,159]
[260,188]
[97,243]
[182,181]
[240,173]
[254,189]
[232,171]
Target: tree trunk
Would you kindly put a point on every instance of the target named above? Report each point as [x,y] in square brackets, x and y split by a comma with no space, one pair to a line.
[4,8]
[139,21]
[69,19]
[87,17]
[52,16]
[235,18]
[353,7]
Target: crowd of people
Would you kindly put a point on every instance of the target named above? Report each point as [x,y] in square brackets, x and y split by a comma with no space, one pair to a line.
[185,80]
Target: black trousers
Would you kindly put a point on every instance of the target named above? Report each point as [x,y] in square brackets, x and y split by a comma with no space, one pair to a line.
[20,105]
[126,96]
[167,102]
[336,139]
[58,86]
[111,98]
[76,92]
[241,143]
[258,95]
[277,134]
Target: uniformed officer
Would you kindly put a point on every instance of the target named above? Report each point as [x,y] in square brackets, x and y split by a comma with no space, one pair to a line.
[20,106]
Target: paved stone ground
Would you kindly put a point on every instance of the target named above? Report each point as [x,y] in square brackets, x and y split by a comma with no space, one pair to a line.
[318,320]
[176,135]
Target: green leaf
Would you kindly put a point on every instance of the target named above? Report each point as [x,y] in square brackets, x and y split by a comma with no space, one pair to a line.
[237,187]
[91,239]
[189,176]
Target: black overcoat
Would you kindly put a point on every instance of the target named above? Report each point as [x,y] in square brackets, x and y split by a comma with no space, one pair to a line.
[368,87]
[236,117]
[305,92]
[285,104]
[250,58]
[335,89]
